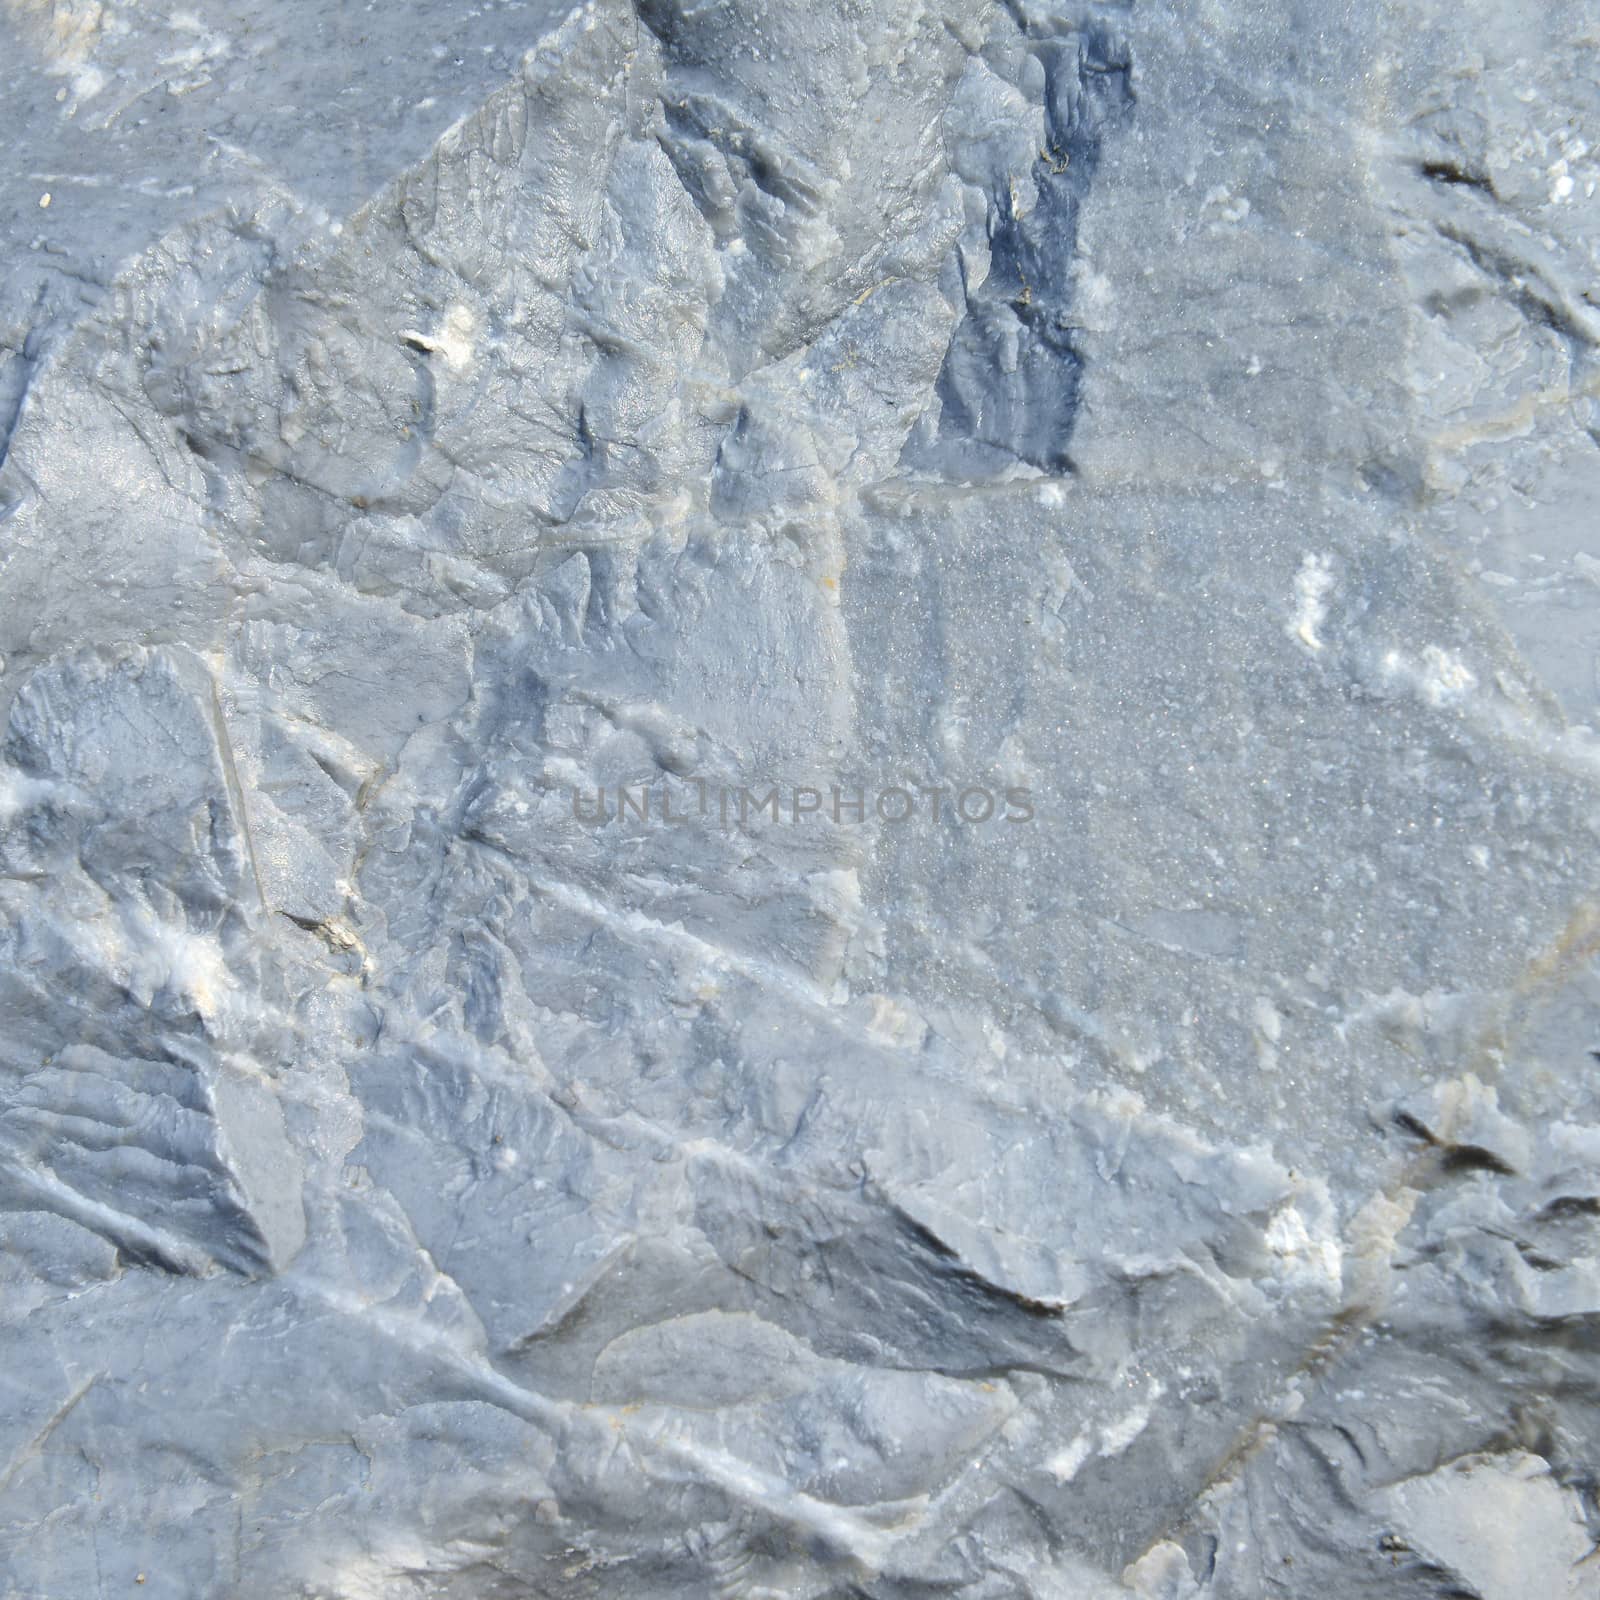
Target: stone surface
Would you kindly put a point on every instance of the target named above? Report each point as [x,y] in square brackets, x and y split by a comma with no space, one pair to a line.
[1084,516]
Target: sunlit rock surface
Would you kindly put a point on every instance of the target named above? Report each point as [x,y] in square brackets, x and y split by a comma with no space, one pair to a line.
[799,801]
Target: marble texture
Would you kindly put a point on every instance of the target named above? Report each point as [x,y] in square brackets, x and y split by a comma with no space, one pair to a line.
[424,431]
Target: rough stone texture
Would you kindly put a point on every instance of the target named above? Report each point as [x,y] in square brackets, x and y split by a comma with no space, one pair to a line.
[1182,418]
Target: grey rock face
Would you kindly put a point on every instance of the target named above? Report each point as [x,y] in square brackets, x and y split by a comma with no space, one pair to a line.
[813,815]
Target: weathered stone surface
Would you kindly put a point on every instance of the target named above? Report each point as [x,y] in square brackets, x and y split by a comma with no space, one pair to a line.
[814,814]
